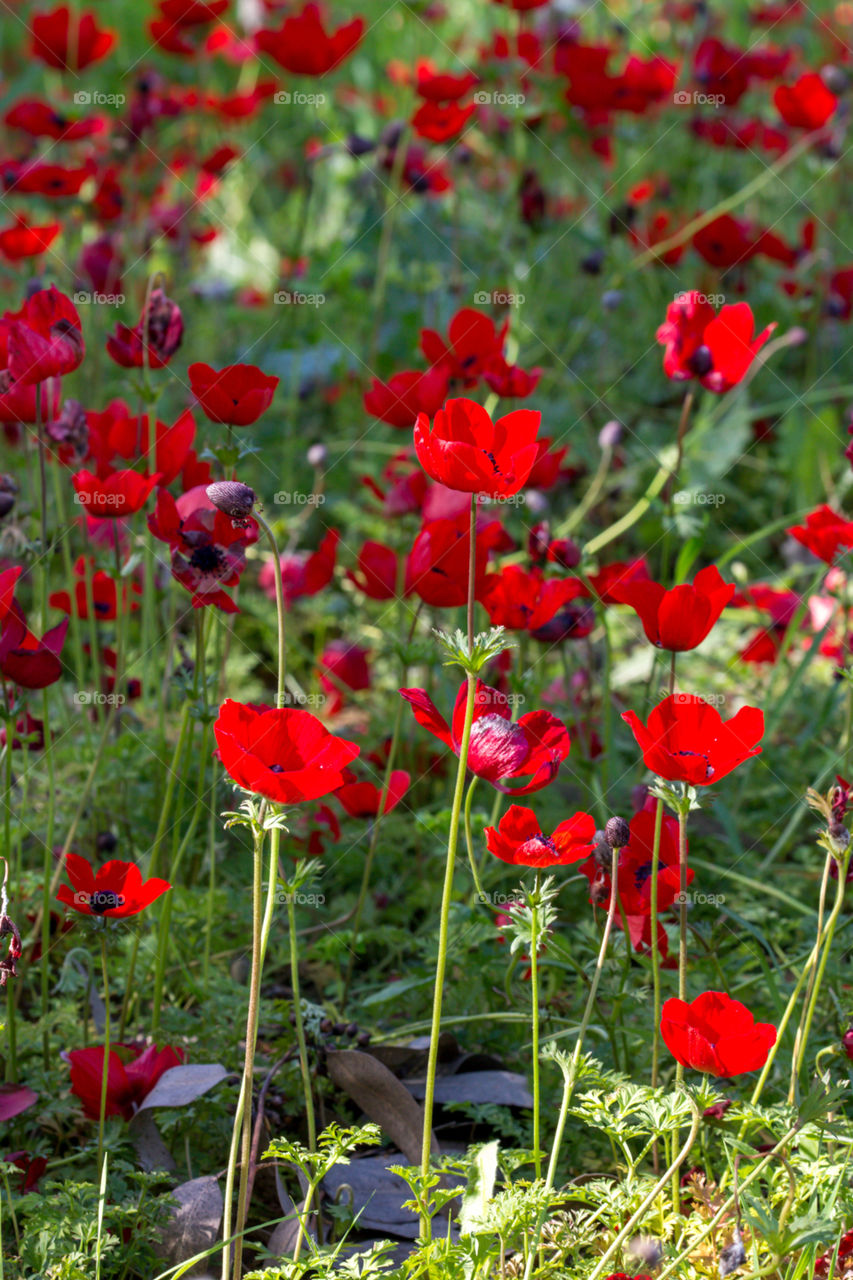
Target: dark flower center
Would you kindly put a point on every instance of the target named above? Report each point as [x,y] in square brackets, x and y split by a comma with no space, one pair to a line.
[709,770]
[276,768]
[701,362]
[207,559]
[642,874]
[493,461]
[542,840]
[104,900]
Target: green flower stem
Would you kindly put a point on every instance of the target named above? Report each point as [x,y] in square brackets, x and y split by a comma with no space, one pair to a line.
[279,604]
[11,1025]
[653,909]
[46,869]
[441,964]
[304,1068]
[469,843]
[105,1073]
[812,970]
[534,997]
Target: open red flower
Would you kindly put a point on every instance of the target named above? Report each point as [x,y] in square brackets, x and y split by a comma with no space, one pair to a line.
[24,659]
[442,86]
[635,867]
[121,493]
[208,547]
[303,573]
[302,44]
[687,740]
[361,799]
[806,104]
[282,753]
[131,1075]
[407,394]
[69,41]
[679,619]
[716,349]
[716,1034]
[116,890]
[237,394]
[441,121]
[342,665]
[473,344]
[826,534]
[25,240]
[437,566]
[465,450]
[519,839]
[45,338]
[525,601]
[376,572]
[500,750]
[103,593]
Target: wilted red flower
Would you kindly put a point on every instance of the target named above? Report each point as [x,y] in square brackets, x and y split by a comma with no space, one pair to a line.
[154,340]
[519,839]
[282,753]
[679,619]
[407,394]
[687,740]
[716,349]
[26,660]
[716,1034]
[826,533]
[121,493]
[45,338]
[103,591]
[303,573]
[131,1075]
[302,44]
[500,749]
[116,890]
[237,394]
[806,104]
[69,42]
[208,547]
[361,799]
[465,450]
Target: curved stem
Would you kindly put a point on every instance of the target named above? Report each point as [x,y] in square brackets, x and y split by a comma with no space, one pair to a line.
[469,843]
[827,946]
[798,1039]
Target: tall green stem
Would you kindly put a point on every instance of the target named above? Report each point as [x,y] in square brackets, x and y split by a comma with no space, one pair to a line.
[534,996]
[46,869]
[279,604]
[300,1029]
[653,942]
[105,1072]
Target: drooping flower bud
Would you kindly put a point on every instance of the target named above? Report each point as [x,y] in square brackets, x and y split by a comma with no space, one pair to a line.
[617,833]
[232,497]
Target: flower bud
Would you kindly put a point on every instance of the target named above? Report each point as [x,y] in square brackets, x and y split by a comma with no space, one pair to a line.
[616,832]
[232,497]
[610,434]
[317,455]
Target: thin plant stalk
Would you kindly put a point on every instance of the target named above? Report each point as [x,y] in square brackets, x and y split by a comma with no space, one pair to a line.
[812,970]
[105,1071]
[279,604]
[534,998]
[46,868]
[653,912]
[831,923]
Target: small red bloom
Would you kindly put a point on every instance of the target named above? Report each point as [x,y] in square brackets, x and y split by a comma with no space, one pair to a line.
[442,86]
[45,338]
[518,839]
[303,573]
[376,572]
[679,619]
[473,344]
[615,575]
[437,567]
[103,592]
[121,493]
[716,349]
[466,451]
[441,121]
[24,240]
[687,740]
[237,394]
[284,754]
[116,890]
[26,660]
[361,799]
[131,1075]
[303,46]
[208,547]
[716,1034]
[826,534]
[500,750]
[154,340]
[806,104]
[405,395]
[525,601]
[635,867]
[69,42]
[342,664]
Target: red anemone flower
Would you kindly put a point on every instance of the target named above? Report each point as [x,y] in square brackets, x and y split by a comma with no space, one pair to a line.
[466,451]
[679,619]
[442,86]
[473,344]
[687,740]
[716,1034]
[302,44]
[826,534]
[282,753]
[121,493]
[716,349]
[154,340]
[69,42]
[45,338]
[103,593]
[519,839]
[131,1075]
[500,749]
[303,573]
[437,566]
[116,890]
[237,394]
[26,660]
[407,394]
[635,867]
[24,240]
[377,571]
[208,547]
[525,601]
[441,121]
[361,799]
[806,104]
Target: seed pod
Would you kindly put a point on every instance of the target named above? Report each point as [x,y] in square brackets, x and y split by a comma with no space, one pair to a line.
[617,833]
[233,498]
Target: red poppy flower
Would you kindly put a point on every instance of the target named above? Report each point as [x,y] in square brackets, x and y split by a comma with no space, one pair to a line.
[716,349]
[26,660]
[302,44]
[442,86]
[208,547]
[806,104]
[24,240]
[635,867]
[437,566]
[284,754]
[518,839]
[473,343]
[679,619]
[500,749]
[36,177]
[131,1075]
[441,121]
[154,340]
[68,42]
[510,381]
[525,601]
[342,663]
[121,493]
[615,575]
[716,1034]
[45,338]
[103,591]
[128,437]
[405,395]
[377,571]
[41,120]
[361,799]
[115,890]
[303,573]
[237,394]
[687,740]
[826,534]
[465,450]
